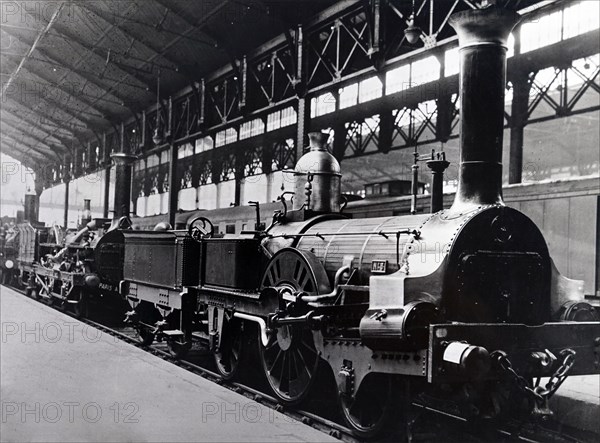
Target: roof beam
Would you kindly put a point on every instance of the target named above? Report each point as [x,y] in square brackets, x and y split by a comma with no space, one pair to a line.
[169,7]
[17,125]
[24,134]
[22,119]
[90,49]
[75,95]
[78,71]
[86,76]
[144,42]
[103,55]
[25,148]
[58,105]
[20,153]
[33,47]
[200,24]
[58,123]
[21,111]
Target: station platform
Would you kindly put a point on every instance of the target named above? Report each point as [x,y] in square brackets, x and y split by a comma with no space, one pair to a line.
[64,381]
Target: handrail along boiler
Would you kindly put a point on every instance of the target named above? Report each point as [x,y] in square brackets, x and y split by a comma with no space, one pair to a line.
[464,306]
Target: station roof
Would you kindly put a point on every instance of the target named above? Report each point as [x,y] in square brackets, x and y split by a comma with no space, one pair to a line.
[72,69]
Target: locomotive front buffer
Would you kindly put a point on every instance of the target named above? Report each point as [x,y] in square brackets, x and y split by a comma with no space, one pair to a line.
[514,353]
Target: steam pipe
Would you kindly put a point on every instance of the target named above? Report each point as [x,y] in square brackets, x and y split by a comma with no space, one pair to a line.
[482,36]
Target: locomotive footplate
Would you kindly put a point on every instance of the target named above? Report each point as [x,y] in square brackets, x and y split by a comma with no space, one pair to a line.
[463,352]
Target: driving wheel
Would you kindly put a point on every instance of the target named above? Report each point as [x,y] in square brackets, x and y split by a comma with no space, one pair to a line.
[290,359]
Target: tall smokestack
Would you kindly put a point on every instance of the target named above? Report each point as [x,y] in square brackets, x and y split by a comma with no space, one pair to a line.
[482,37]
[31,208]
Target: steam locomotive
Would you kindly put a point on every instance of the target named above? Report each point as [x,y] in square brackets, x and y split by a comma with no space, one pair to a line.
[66,269]
[461,308]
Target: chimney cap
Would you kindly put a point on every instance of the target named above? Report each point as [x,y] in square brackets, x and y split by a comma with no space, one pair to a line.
[490,25]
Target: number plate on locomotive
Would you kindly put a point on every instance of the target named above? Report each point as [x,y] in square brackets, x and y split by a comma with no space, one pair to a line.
[379,266]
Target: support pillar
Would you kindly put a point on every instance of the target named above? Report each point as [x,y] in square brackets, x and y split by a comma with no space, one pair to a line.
[106,191]
[122,198]
[303,104]
[386,131]
[302,126]
[66,208]
[173,184]
[39,188]
[518,120]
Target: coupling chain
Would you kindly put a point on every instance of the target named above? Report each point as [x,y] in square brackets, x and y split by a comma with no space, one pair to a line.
[540,394]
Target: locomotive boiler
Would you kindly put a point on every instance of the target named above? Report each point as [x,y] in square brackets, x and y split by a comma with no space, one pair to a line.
[461,308]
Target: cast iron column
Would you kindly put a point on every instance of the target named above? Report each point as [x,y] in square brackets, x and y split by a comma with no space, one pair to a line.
[106,191]
[123,162]
[518,120]
[66,209]
[173,184]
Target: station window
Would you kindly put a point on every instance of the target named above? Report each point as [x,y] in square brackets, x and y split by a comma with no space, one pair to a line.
[152,160]
[281,118]
[230,229]
[369,89]
[322,104]
[204,144]
[544,31]
[397,79]
[451,62]
[581,17]
[231,135]
[185,150]
[225,137]
[164,157]
[252,128]
[348,96]
[424,70]
[289,116]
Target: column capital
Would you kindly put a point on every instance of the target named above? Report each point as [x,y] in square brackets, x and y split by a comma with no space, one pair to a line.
[437,166]
[122,158]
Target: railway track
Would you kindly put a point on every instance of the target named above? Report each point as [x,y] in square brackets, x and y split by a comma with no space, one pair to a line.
[427,424]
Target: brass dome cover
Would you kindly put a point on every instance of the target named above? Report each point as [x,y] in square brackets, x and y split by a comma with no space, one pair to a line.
[318,160]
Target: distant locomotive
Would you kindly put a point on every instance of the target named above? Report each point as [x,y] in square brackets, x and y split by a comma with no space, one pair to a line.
[66,270]
[450,305]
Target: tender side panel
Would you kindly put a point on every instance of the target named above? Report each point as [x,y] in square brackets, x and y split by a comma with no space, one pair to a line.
[167,259]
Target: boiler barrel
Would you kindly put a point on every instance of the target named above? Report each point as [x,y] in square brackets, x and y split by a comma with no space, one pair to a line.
[371,244]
